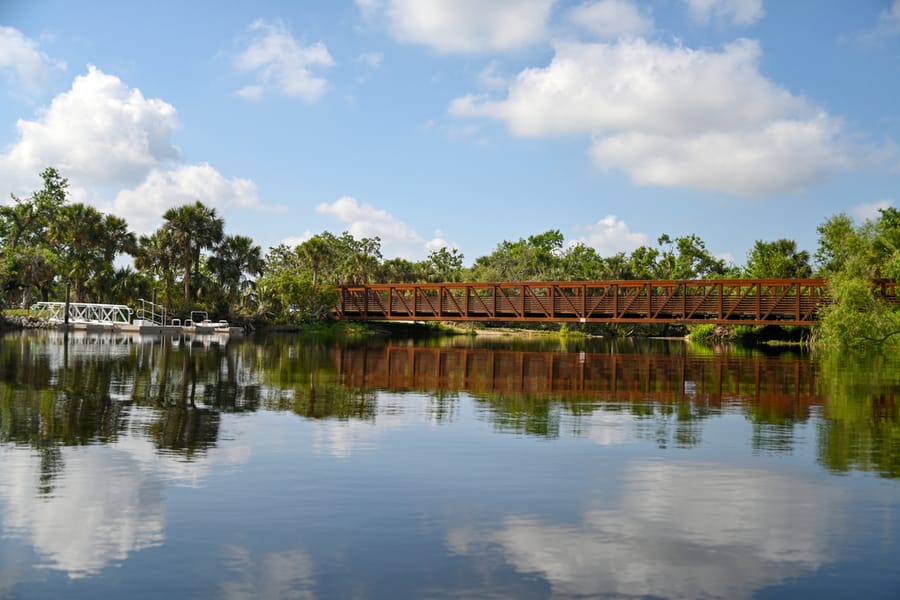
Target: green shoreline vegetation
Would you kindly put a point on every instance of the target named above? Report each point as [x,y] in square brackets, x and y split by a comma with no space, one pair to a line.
[48,243]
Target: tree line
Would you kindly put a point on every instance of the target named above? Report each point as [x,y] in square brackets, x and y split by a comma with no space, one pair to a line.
[48,243]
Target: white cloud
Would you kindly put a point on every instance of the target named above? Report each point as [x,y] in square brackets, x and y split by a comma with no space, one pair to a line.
[490,78]
[111,141]
[467,26]
[609,236]
[364,220]
[144,205]
[780,157]
[100,131]
[295,240]
[673,116]
[869,212]
[739,12]
[21,55]
[612,19]
[281,65]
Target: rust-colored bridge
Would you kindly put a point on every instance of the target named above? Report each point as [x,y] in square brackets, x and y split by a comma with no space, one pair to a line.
[725,301]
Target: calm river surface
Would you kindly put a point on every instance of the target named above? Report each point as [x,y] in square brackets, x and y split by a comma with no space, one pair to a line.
[284,467]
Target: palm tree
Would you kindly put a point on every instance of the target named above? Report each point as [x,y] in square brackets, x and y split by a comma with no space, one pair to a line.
[317,251]
[236,261]
[194,228]
[155,256]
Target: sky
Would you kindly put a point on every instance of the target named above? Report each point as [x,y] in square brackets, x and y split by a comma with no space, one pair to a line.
[461,123]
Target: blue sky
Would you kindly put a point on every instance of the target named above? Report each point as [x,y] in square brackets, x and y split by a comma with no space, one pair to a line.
[461,122]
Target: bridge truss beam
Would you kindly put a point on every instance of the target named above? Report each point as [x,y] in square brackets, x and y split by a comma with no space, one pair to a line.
[721,301]
[83,312]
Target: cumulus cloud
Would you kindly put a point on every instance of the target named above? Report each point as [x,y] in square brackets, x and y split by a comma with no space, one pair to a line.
[111,141]
[466,26]
[739,12]
[869,212]
[364,220]
[20,55]
[144,205]
[101,131]
[612,19]
[281,65]
[610,236]
[673,116]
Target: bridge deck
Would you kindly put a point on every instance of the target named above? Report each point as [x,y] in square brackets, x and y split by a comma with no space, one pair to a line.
[725,301]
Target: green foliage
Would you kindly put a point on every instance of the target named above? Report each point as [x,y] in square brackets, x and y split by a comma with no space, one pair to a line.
[851,256]
[778,259]
[704,333]
[193,228]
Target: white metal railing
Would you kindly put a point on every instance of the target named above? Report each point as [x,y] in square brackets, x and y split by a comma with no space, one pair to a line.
[155,313]
[83,312]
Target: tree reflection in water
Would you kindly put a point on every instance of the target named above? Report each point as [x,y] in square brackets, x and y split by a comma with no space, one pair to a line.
[186,386]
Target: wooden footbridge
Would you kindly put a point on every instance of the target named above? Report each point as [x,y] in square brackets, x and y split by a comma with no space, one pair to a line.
[721,301]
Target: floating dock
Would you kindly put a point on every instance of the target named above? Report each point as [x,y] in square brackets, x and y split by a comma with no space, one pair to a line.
[151,320]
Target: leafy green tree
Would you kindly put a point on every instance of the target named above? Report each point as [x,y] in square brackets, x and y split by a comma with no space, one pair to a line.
[850,257]
[886,246]
[686,257]
[235,265]
[778,259]
[194,228]
[444,265]
[537,258]
[582,263]
[28,260]
[843,247]
[401,270]
[359,260]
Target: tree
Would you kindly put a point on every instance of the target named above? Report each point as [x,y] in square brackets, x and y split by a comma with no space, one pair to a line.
[28,260]
[843,246]
[537,258]
[850,256]
[194,228]
[318,251]
[236,263]
[155,256]
[444,265]
[400,270]
[778,259]
[87,242]
[582,263]
[687,258]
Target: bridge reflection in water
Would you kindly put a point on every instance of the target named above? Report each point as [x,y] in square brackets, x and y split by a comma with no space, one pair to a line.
[786,386]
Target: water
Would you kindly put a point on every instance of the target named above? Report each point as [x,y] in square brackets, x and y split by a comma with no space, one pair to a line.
[289,468]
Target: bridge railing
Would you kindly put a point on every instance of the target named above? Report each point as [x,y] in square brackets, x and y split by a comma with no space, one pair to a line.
[149,311]
[82,312]
[734,301]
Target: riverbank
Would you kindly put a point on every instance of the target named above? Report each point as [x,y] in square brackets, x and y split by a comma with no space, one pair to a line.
[17,322]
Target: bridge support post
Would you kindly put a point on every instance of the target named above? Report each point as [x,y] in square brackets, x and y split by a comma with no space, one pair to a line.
[66,317]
